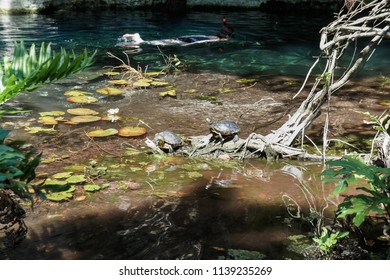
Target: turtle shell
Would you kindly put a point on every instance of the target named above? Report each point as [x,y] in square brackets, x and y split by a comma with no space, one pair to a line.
[225,127]
[168,137]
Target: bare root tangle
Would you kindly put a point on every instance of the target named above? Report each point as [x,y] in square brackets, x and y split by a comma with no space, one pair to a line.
[358,23]
[129,73]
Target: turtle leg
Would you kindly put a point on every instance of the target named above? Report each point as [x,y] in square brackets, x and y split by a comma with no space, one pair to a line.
[220,136]
[235,138]
[170,148]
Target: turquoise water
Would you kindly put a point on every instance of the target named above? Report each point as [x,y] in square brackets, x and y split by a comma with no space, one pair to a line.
[264,44]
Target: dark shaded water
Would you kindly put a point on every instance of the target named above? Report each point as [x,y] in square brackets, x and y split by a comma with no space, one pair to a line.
[236,212]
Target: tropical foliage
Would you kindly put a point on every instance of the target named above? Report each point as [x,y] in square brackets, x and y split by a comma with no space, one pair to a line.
[17,168]
[26,70]
[372,181]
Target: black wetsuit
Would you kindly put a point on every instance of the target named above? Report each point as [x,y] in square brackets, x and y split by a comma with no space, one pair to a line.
[224,33]
[194,38]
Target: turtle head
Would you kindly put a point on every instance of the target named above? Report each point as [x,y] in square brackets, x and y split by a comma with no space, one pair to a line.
[158,140]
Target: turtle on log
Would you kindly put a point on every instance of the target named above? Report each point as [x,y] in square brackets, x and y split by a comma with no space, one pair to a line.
[168,140]
[224,129]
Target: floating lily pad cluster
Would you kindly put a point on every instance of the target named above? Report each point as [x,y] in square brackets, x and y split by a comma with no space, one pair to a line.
[213,95]
[64,186]
[143,80]
[81,115]
[140,80]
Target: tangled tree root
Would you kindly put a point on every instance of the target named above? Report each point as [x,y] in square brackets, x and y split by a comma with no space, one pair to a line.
[12,227]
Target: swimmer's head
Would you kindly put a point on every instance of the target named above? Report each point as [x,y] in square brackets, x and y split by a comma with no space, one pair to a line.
[134,38]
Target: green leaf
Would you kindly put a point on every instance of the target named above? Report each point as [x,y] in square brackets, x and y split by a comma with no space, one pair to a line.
[26,71]
[59,196]
[3,134]
[91,188]
[76,179]
[340,188]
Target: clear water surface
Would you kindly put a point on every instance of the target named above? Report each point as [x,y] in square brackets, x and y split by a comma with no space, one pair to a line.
[272,44]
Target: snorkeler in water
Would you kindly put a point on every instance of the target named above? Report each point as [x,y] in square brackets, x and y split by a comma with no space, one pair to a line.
[226,30]
[225,33]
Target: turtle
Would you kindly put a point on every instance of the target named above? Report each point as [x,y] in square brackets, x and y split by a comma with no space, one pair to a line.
[168,140]
[224,129]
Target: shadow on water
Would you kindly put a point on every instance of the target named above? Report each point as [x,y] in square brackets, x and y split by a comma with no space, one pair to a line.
[208,219]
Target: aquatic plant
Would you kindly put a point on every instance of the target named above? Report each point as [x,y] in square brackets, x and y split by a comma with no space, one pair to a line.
[172,62]
[328,240]
[26,71]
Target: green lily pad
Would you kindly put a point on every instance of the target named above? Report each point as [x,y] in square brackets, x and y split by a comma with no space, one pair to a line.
[82,112]
[76,92]
[52,113]
[190,90]
[159,83]
[59,188]
[102,132]
[48,120]
[54,182]
[118,82]
[38,129]
[111,73]
[62,175]
[171,93]
[82,99]
[85,119]
[153,74]
[246,81]
[109,91]
[170,87]
[75,179]
[141,84]
[91,188]
[207,97]
[226,90]
[59,196]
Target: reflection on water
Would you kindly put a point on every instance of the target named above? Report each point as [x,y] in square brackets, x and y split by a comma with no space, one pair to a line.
[225,210]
